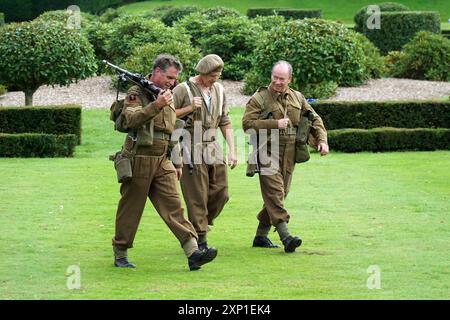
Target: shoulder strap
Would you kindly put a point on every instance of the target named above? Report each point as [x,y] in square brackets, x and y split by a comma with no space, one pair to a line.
[188,89]
[220,101]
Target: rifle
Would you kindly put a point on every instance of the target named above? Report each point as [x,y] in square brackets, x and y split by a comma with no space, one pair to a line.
[136,78]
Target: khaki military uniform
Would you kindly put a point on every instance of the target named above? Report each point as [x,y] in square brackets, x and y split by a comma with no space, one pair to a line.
[290,104]
[206,189]
[154,175]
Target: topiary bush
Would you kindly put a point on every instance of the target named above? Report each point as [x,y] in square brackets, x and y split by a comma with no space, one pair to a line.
[43,53]
[267,23]
[220,12]
[25,145]
[66,17]
[233,39]
[128,33]
[319,51]
[360,17]
[285,12]
[426,57]
[141,60]
[373,61]
[174,14]
[398,28]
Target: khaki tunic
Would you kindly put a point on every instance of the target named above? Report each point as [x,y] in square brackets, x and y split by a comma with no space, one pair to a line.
[154,175]
[205,191]
[275,187]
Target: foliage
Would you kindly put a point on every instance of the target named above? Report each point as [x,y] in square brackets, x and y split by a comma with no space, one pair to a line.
[373,61]
[388,139]
[371,114]
[269,22]
[286,13]
[360,17]
[398,28]
[426,57]
[37,53]
[194,24]
[323,90]
[174,14]
[57,120]
[233,39]
[141,60]
[128,33]
[392,63]
[319,51]
[26,145]
[3,90]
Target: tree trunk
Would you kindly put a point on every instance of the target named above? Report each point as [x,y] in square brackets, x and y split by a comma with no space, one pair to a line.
[29,96]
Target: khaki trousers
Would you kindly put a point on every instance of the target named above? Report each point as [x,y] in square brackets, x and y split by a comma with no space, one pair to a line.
[205,193]
[153,177]
[275,187]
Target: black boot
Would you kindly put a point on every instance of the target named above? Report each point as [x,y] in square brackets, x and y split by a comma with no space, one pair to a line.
[199,258]
[291,243]
[123,263]
[263,242]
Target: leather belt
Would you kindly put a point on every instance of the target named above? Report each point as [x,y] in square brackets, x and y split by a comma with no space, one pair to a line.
[291,131]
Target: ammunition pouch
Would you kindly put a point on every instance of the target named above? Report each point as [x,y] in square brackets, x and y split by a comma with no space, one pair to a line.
[301,139]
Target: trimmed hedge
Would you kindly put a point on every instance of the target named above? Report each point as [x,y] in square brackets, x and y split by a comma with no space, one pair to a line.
[399,114]
[398,28]
[37,145]
[287,13]
[57,120]
[23,10]
[389,139]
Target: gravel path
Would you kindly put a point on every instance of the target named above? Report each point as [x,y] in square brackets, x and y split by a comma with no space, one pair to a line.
[96,93]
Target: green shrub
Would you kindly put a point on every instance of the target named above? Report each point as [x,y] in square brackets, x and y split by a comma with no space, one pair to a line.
[389,139]
[128,33]
[319,51]
[267,23]
[174,14]
[141,60]
[285,12]
[2,19]
[233,39]
[99,34]
[426,57]
[324,89]
[3,90]
[398,28]
[37,145]
[373,114]
[392,63]
[43,53]
[58,120]
[194,24]
[373,61]
[110,15]
[65,16]
[361,16]
[220,12]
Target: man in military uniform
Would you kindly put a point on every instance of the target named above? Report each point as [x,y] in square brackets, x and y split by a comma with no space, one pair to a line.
[284,105]
[200,101]
[153,175]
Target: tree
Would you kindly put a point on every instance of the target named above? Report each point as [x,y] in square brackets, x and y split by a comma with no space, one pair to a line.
[43,53]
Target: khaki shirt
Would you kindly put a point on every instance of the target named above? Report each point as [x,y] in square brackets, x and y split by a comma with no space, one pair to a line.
[218,117]
[289,104]
[141,113]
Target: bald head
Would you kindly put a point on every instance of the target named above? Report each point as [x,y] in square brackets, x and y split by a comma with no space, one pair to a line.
[281,76]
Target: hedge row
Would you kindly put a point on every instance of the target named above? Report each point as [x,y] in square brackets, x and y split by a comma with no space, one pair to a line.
[22,10]
[58,120]
[37,145]
[372,114]
[398,28]
[389,139]
[287,13]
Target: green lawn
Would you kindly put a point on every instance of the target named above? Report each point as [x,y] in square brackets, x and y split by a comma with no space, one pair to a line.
[342,10]
[352,211]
